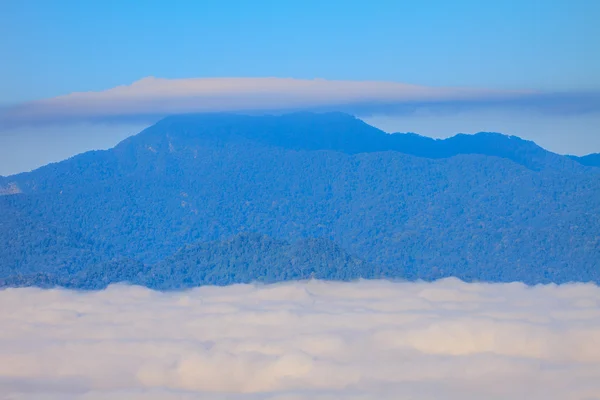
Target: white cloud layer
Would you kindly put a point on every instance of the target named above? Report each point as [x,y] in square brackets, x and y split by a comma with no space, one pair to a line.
[151,97]
[303,340]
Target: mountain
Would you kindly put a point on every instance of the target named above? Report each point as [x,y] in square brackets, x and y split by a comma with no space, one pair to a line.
[344,133]
[591,160]
[479,207]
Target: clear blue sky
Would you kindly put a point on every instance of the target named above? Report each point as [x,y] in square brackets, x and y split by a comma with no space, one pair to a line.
[57,47]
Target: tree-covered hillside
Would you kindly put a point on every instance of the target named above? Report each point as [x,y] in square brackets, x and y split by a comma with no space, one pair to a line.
[483,207]
[244,258]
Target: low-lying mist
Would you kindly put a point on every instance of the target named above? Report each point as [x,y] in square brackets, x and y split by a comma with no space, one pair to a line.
[303,340]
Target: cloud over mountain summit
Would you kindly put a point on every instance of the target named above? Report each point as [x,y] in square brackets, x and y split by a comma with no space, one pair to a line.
[158,97]
[62,126]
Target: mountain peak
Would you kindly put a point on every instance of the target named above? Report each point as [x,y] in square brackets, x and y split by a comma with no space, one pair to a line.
[298,131]
[336,131]
[302,131]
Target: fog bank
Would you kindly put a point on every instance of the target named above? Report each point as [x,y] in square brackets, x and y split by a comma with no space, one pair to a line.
[303,340]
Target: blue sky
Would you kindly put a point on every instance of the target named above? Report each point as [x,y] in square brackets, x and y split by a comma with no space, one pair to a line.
[57,47]
[53,48]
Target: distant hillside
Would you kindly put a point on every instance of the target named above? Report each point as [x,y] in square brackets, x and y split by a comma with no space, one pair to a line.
[478,207]
[244,258]
[591,160]
[253,257]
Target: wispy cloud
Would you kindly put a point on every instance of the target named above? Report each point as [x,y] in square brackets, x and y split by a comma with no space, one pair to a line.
[311,340]
[153,97]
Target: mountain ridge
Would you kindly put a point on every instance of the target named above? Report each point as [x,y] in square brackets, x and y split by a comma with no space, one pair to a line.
[590,160]
[348,134]
[375,140]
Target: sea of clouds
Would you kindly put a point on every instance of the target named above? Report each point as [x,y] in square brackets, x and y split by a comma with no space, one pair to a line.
[303,340]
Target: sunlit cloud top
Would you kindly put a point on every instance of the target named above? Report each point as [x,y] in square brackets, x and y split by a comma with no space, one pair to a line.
[158,97]
[303,340]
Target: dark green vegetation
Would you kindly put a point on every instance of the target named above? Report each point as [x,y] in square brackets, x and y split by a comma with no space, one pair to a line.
[484,207]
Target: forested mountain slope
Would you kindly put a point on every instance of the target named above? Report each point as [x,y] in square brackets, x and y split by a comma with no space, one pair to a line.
[481,207]
[245,258]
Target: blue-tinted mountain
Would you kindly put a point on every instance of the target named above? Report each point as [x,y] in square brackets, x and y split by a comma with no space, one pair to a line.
[344,133]
[591,160]
[479,207]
